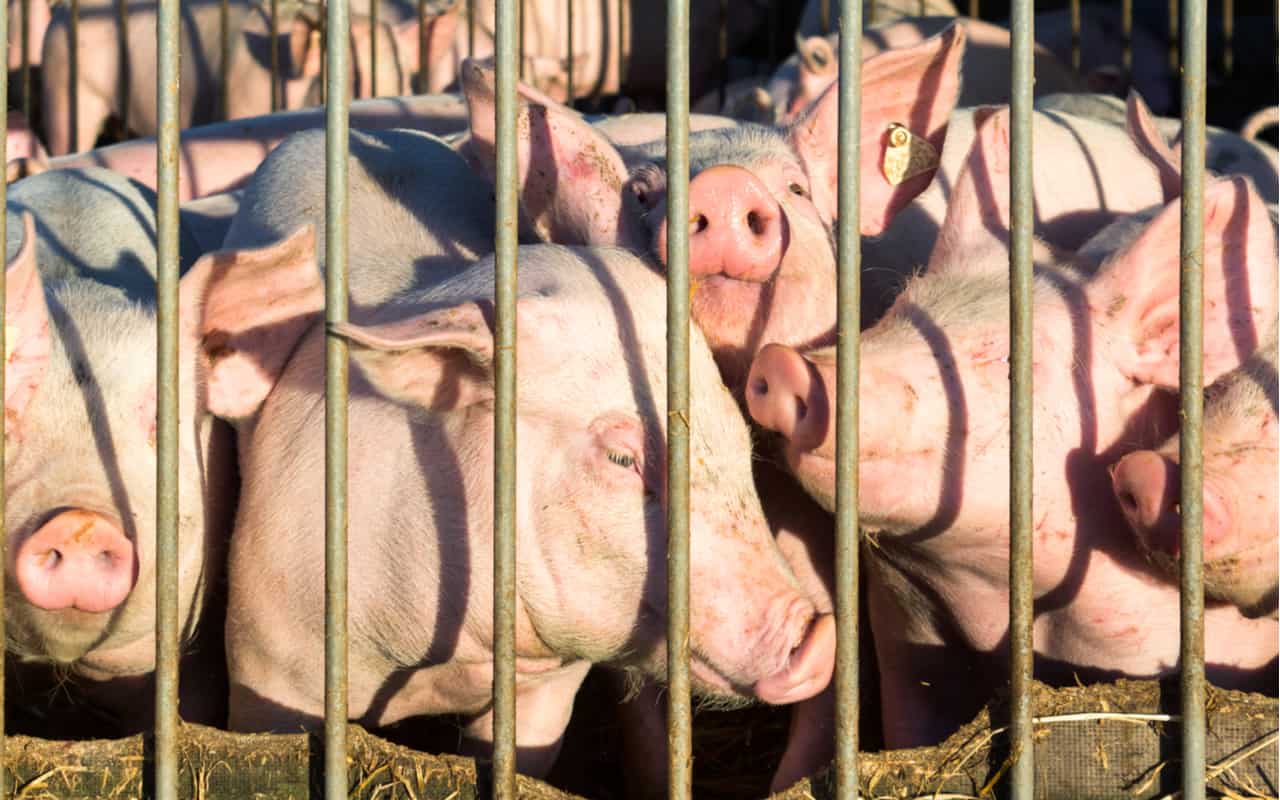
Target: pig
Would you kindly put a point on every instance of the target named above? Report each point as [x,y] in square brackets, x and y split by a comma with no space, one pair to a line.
[299,57]
[80,403]
[753,631]
[1241,544]
[803,77]
[934,400]
[21,141]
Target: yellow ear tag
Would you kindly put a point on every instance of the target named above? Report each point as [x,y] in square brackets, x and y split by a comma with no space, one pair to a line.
[11,334]
[908,155]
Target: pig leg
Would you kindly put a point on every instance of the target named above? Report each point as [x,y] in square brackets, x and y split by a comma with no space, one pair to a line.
[810,745]
[544,704]
[644,741]
[92,112]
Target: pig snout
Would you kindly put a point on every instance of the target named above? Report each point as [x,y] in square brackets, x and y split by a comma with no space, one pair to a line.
[78,559]
[785,393]
[736,228]
[808,669]
[1146,486]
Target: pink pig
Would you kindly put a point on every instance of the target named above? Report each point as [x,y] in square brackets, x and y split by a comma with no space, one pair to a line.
[934,448]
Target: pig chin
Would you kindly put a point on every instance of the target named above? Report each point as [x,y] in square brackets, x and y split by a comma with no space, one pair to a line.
[62,637]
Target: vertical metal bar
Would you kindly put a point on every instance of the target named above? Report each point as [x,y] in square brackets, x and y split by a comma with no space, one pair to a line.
[1173,35]
[73,58]
[973,9]
[373,48]
[569,14]
[722,50]
[424,68]
[506,28]
[1126,29]
[122,31]
[324,62]
[168,74]
[1022,210]
[471,28]
[25,79]
[679,706]
[1075,34]
[1192,400]
[824,15]
[336,124]
[4,203]
[848,303]
[1228,37]
[275,55]
[624,43]
[224,44]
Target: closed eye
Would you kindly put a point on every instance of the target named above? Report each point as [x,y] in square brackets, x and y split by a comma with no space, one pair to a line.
[625,460]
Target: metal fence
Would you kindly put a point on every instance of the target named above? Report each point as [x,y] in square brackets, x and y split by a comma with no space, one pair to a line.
[1191,41]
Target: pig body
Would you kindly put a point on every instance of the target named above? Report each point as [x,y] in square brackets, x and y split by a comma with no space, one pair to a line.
[1240,500]
[611,56]
[221,156]
[435,639]
[1226,153]
[80,463]
[934,400]
[248,71]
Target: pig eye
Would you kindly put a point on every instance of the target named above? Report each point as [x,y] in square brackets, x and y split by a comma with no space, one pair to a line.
[625,460]
[797,190]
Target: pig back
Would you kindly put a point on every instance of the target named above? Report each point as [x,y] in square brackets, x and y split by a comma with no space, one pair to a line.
[417,212]
[93,223]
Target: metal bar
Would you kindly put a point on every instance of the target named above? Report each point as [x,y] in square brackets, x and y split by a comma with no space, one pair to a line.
[424,68]
[1126,29]
[337,118]
[506,27]
[1022,210]
[722,50]
[569,14]
[624,44]
[73,59]
[1228,37]
[373,48]
[25,77]
[1173,35]
[471,28]
[224,43]
[4,237]
[122,29]
[168,75]
[973,9]
[679,701]
[1075,34]
[1192,400]
[824,15]
[849,323]
[275,55]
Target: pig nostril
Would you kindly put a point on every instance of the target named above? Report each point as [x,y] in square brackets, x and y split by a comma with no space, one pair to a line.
[756,223]
[699,223]
[760,386]
[801,409]
[52,559]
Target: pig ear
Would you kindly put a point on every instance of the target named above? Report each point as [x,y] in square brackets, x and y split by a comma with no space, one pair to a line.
[253,307]
[978,214]
[915,87]
[439,360]
[1138,286]
[303,47]
[1142,129]
[26,326]
[570,177]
